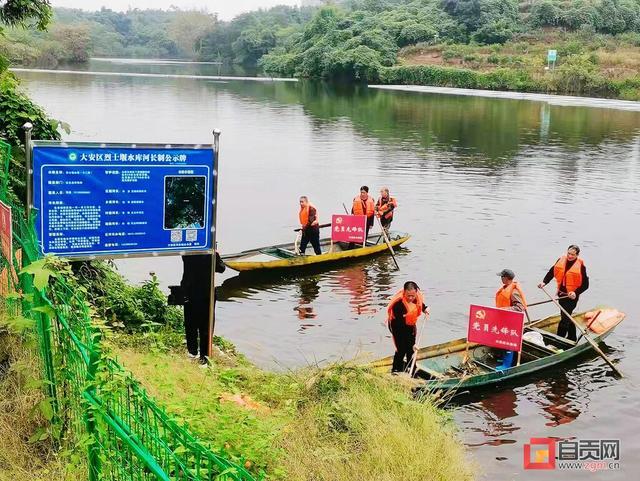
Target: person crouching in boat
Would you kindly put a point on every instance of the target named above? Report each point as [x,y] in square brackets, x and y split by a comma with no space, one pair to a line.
[403,313]
[385,207]
[309,225]
[571,276]
[510,296]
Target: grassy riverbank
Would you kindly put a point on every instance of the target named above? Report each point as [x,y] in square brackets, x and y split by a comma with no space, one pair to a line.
[599,65]
[338,423]
[27,453]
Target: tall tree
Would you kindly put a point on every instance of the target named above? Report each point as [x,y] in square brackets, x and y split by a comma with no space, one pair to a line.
[25,13]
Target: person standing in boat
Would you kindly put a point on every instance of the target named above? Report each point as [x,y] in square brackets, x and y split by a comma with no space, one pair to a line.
[509,296]
[572,280]
[309,225]
[384,208]
[403,312]
[364,205]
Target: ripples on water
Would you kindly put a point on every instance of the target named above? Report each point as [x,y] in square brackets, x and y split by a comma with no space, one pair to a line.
[482,184]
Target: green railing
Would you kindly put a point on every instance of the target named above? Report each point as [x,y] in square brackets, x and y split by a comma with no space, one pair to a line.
[96,404]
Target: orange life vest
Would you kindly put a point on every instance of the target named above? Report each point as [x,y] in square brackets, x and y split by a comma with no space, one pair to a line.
[503,296]
[413,309]
[383,208]
[304,215]
[572,279]
[363,207]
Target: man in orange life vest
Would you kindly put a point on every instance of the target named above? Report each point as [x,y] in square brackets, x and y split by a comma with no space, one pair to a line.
[571,276]
[403,313]
[384,208]
[509,296]
[363,205]
[309,225]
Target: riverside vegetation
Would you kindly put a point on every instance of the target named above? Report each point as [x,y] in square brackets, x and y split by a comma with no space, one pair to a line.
[337,422]
[485,44]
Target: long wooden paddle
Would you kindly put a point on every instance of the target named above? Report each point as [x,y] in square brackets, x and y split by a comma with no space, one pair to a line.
[388,242]
[321,226]
[296,243]
[414,358]
[584,334]
[545,302]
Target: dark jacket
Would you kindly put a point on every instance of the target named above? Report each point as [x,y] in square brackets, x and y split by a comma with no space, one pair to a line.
[563,290]
[196,277]
[397,322]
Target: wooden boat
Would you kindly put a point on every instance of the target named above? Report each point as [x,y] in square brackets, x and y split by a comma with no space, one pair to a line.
[283,256]
[441,366]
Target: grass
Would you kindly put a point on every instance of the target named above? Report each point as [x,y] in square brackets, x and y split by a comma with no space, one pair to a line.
[342,422]
[21,457]
[588,63]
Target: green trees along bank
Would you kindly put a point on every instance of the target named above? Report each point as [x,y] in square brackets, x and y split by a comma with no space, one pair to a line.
[75,35]
[381,41]
[495,44]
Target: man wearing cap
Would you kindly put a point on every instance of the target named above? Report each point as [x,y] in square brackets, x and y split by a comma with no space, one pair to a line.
[509,296]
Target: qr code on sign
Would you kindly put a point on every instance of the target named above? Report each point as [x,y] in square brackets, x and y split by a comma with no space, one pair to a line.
[192,235]
[176,236]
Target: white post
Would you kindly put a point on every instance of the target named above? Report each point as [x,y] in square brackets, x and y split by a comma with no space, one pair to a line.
[28,127]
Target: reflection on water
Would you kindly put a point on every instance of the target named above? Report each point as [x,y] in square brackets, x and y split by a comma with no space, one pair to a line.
[482,184]
[363,286]
[159,66]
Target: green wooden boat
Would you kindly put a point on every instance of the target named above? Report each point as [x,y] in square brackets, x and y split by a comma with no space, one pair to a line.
[442,366]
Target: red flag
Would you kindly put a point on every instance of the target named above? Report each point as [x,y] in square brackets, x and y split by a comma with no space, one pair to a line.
[495,327]
[348,228]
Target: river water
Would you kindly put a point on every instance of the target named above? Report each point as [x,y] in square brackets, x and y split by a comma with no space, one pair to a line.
[482,184]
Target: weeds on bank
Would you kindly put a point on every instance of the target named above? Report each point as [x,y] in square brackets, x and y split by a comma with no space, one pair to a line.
[588,63]
[342,422]
[28,448]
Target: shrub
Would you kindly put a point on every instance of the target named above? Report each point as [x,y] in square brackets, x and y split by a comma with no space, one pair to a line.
[545,14]
[16,109]
[577,74]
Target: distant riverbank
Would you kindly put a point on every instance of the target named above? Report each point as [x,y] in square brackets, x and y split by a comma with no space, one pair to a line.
[560,100]
[598,66]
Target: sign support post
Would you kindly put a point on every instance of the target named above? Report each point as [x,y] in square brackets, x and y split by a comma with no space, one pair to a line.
[212,292]
[28,127]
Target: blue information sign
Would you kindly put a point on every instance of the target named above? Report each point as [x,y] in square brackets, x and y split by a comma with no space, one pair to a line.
[115,200]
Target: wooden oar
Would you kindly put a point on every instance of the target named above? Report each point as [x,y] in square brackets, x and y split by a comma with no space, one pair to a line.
[321,226]
[296,243]
[584,334]
[545,302]
[414,358]
[386,239]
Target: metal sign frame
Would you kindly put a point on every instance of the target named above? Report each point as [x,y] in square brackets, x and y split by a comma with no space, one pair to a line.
[126,145]
[29,143]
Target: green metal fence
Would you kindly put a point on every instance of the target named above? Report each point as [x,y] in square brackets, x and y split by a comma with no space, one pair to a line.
[96,403]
